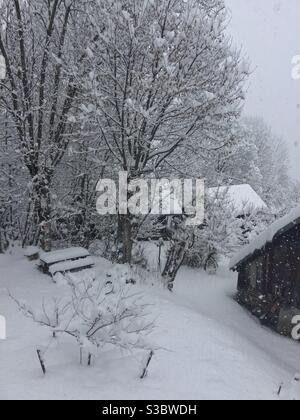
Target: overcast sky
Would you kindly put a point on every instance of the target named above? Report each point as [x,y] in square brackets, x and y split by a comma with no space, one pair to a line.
[269,31]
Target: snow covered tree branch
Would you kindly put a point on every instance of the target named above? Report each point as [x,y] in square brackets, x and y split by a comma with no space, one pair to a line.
[40,52]
[163,75]
[96,314]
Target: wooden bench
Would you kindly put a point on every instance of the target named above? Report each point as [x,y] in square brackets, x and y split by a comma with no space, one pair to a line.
[65,260]
[67,266]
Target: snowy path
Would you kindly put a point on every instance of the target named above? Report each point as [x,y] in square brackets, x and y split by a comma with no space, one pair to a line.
[214,349]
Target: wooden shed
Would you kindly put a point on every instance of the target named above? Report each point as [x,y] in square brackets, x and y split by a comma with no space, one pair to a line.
[269,274]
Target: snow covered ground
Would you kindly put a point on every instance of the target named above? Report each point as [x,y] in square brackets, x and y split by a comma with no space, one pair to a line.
[211,347]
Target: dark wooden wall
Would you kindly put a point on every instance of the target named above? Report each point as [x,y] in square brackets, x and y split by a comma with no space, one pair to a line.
[270,279]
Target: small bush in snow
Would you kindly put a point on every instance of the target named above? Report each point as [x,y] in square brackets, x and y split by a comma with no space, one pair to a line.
[98,248]
[97,314]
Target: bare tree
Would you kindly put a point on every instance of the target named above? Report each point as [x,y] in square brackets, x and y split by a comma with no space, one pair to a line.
[96,314]
[43,61]
[163,75]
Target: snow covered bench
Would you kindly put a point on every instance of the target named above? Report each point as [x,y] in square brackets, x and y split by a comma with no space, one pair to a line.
[65,260]
[67,266]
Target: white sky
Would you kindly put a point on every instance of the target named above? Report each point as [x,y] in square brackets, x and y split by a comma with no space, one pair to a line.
[269,31]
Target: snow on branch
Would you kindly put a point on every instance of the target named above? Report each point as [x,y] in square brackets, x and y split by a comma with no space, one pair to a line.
[96,314]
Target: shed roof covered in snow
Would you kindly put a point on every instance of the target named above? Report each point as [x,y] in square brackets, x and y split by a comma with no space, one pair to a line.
[243,198]
[275,230]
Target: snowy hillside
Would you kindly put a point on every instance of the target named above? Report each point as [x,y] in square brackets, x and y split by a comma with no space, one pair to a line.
[142,144]
[210,347]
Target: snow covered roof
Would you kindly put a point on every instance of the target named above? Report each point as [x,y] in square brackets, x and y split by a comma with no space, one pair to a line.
[243,197]
[276,229]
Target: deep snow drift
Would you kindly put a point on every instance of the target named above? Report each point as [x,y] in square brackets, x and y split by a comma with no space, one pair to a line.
[210,347]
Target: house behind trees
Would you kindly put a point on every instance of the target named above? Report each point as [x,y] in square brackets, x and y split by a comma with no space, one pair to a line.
[242,197]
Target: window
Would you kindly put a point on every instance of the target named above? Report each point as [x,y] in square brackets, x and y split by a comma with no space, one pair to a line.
[256,273]
[260,269]
[252,275]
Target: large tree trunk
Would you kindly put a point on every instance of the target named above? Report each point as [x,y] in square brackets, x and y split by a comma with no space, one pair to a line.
[41,213]
[182,239]
[125,238]
[174,263]
[3,241]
